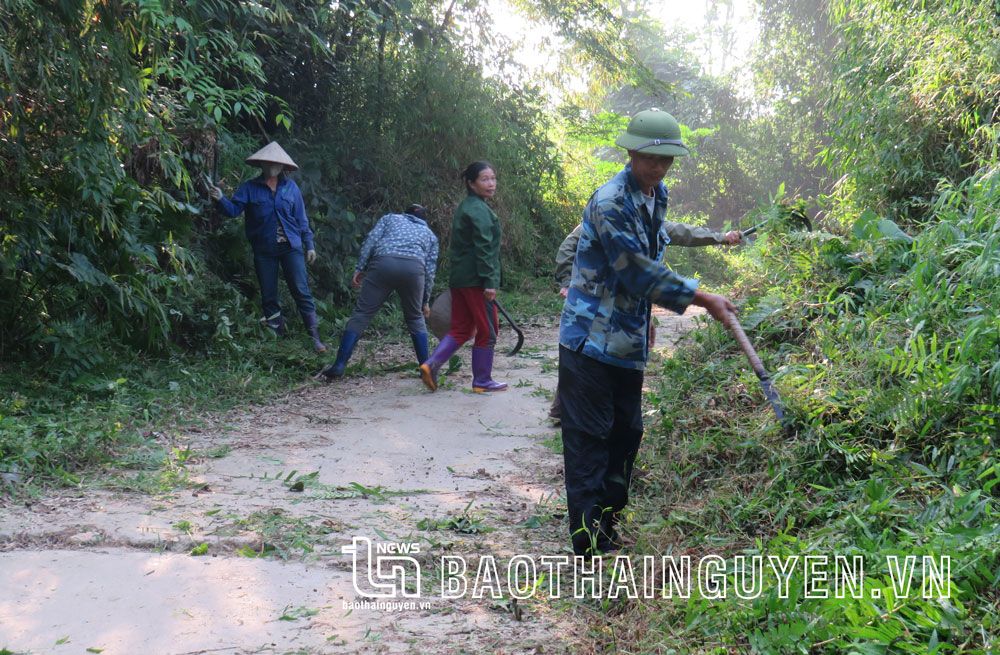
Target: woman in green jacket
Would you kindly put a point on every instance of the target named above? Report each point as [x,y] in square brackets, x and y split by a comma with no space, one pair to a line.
[475,276]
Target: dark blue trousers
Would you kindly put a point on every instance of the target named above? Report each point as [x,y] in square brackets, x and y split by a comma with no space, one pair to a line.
[267,260]
[601,432]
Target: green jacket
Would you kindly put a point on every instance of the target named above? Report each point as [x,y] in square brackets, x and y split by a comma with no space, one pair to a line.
[475,245]
[566,255]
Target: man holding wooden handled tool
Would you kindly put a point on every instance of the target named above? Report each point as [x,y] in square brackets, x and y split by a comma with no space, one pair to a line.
[678,234]
[603,334]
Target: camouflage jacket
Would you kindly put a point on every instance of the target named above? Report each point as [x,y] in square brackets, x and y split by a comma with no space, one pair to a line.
[680,234]
[617,274]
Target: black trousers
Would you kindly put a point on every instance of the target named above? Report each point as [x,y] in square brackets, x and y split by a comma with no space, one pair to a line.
[601,432]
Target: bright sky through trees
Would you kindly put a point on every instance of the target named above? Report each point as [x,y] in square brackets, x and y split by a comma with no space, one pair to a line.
[725,29]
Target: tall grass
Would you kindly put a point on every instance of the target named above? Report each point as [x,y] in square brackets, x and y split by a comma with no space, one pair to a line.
[885,347]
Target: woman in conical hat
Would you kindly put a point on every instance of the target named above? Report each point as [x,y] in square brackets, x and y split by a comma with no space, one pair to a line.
[278,231]
[272,153]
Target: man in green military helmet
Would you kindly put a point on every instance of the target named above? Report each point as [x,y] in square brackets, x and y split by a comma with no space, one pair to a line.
[603,335]
[678,234]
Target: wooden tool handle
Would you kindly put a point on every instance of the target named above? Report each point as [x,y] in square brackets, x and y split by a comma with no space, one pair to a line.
[733,325]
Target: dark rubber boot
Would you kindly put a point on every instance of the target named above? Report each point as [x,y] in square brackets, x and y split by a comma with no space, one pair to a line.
[420,346]
[555,411]
[347,342]
[429,369]
[482,371]
[312,327]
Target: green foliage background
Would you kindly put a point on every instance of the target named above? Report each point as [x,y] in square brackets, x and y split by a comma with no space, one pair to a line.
[122,287]
[881,330]
[127,303]
[108,142]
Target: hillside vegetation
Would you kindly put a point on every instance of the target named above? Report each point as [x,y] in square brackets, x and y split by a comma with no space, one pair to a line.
[882,331]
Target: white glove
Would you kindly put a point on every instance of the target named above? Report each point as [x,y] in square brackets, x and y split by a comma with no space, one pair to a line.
[310,257]
[215,193]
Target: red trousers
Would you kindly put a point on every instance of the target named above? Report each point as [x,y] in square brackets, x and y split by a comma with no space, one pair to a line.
[472,313]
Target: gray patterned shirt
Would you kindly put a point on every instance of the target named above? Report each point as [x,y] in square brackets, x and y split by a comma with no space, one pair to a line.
[402,235]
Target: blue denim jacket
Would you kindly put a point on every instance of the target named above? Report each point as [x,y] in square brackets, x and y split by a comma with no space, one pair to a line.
[617,273]
[265,208]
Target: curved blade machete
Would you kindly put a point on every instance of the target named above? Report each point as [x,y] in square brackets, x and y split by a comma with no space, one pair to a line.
[766,384]
[440,319]
[513,325]
[797,219]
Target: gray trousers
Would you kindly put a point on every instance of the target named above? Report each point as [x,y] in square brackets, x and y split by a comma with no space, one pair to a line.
[386,274]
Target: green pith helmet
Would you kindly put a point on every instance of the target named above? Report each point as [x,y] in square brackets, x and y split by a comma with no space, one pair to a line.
[653,132]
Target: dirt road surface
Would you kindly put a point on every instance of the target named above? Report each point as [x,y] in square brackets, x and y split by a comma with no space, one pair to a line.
[242,549]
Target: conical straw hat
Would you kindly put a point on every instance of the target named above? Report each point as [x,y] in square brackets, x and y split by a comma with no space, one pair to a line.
[272,152]
[440,319]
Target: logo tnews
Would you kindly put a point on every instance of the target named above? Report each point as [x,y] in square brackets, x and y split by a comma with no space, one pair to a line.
[389,570]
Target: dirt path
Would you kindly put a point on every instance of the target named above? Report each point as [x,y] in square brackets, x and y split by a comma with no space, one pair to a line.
[272,495]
